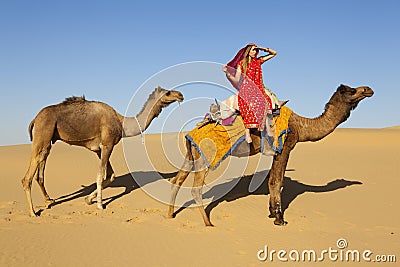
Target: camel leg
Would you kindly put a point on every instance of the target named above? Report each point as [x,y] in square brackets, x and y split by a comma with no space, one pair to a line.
[176,184]
[275,184]
[101,175]
[110,177]
[38,157]
[40,181]
[197,194]
[27,184]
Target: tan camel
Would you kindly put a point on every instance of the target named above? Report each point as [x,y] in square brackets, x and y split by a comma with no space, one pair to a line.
[337,110]
[91,124]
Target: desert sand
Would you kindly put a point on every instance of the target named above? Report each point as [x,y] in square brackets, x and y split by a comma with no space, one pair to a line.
[342,187]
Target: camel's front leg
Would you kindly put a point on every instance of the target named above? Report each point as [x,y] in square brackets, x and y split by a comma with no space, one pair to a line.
[110,177]
[275,204]
[275,184]
[102,174]
[197,194]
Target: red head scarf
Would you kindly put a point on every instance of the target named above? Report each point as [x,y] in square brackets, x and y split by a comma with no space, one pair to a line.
[239,56]
[232,65]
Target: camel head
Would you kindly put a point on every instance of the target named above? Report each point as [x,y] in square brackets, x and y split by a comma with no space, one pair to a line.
[167,97]
[352,96]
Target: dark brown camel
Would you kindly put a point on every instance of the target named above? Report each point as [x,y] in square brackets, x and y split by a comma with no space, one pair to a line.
[337,110]
[91,124]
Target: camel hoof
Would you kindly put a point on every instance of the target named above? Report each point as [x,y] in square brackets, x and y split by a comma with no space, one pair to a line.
[100,207]
[280,222]
[209,224]
[33,215]
[88,200]
[49,203]
[171,216]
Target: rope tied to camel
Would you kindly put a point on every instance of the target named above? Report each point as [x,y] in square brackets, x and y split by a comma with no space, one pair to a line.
[140,129]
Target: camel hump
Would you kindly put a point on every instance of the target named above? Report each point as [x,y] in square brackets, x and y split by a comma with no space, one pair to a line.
[74,99]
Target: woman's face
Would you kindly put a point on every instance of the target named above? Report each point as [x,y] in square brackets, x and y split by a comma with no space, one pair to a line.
[253,51]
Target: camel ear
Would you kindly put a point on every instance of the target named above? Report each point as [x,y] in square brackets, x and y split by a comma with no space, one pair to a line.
[216,102]
[342,88]
[346,89]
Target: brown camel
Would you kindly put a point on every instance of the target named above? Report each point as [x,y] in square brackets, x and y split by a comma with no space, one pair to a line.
[337,110]
[91,124]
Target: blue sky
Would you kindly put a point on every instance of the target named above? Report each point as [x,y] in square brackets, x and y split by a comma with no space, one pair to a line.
[106,50]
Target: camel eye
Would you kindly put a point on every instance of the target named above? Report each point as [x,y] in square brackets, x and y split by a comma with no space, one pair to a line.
[168,93]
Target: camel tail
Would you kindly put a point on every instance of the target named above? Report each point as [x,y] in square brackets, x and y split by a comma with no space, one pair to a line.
[30,129]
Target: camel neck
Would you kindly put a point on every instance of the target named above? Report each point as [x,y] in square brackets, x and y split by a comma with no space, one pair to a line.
[317,128]
[136,125]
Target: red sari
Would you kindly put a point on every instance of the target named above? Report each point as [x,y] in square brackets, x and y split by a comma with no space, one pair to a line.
[252,100]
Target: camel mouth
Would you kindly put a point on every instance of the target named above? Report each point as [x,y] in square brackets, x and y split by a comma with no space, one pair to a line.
[179,98]
[358,99]
[367,92]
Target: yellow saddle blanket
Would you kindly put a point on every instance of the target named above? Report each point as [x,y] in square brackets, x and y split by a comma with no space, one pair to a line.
[281,126]
[216,142]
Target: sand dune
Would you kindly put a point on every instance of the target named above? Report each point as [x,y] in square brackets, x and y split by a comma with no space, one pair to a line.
[344,186]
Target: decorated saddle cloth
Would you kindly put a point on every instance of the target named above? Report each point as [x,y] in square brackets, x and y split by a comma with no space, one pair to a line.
[216,142]
[281,126]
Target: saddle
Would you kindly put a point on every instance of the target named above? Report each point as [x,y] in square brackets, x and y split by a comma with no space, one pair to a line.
[277,110]
[215,115]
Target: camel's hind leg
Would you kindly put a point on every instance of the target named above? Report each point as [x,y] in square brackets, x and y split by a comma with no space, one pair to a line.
[27,183]
[176,184]
[36,167]
[40,181]
[198,182]
[178,180]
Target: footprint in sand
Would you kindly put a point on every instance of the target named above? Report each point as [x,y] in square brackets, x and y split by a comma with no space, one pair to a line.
[133,220]
[149,211]
[7,204]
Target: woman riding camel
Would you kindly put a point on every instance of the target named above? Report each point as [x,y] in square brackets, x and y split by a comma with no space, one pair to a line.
[245,73]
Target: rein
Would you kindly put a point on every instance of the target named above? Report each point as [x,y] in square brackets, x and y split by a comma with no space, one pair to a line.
[140,129]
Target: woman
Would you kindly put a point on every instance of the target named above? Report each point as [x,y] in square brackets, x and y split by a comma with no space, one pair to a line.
[245,73]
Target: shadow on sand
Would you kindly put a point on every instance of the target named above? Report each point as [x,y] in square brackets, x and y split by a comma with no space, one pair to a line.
[124,181]
[240,188]
[241,185]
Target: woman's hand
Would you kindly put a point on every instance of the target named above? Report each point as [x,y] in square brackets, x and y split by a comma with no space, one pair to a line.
[225,68]
[267,50]
[271,54]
